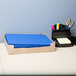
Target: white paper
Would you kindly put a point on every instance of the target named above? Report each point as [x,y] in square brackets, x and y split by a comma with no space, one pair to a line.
[64,41]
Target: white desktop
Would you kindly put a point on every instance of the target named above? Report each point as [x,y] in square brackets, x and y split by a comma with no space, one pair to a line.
[62,61]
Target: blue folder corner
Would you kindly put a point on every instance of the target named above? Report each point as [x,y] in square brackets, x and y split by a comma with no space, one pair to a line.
[27,40]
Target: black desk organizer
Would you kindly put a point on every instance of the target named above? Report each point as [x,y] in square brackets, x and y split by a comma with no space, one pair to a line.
[61,33]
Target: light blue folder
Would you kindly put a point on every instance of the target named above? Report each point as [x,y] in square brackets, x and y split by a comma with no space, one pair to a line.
[27,40]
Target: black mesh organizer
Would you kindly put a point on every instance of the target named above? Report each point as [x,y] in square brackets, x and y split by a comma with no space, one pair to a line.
[61,33]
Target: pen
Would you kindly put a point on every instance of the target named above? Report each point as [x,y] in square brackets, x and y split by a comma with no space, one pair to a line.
[52,26]
[57,26]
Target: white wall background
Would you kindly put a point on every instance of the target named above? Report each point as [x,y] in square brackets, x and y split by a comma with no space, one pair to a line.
[34,16]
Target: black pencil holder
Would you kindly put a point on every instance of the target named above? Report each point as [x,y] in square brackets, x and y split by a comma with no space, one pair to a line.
[61,33]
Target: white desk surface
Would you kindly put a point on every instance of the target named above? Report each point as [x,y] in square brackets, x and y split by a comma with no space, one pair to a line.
[1,69]
[63,61]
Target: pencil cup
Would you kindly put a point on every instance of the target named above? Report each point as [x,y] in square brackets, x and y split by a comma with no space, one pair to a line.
[61,33]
